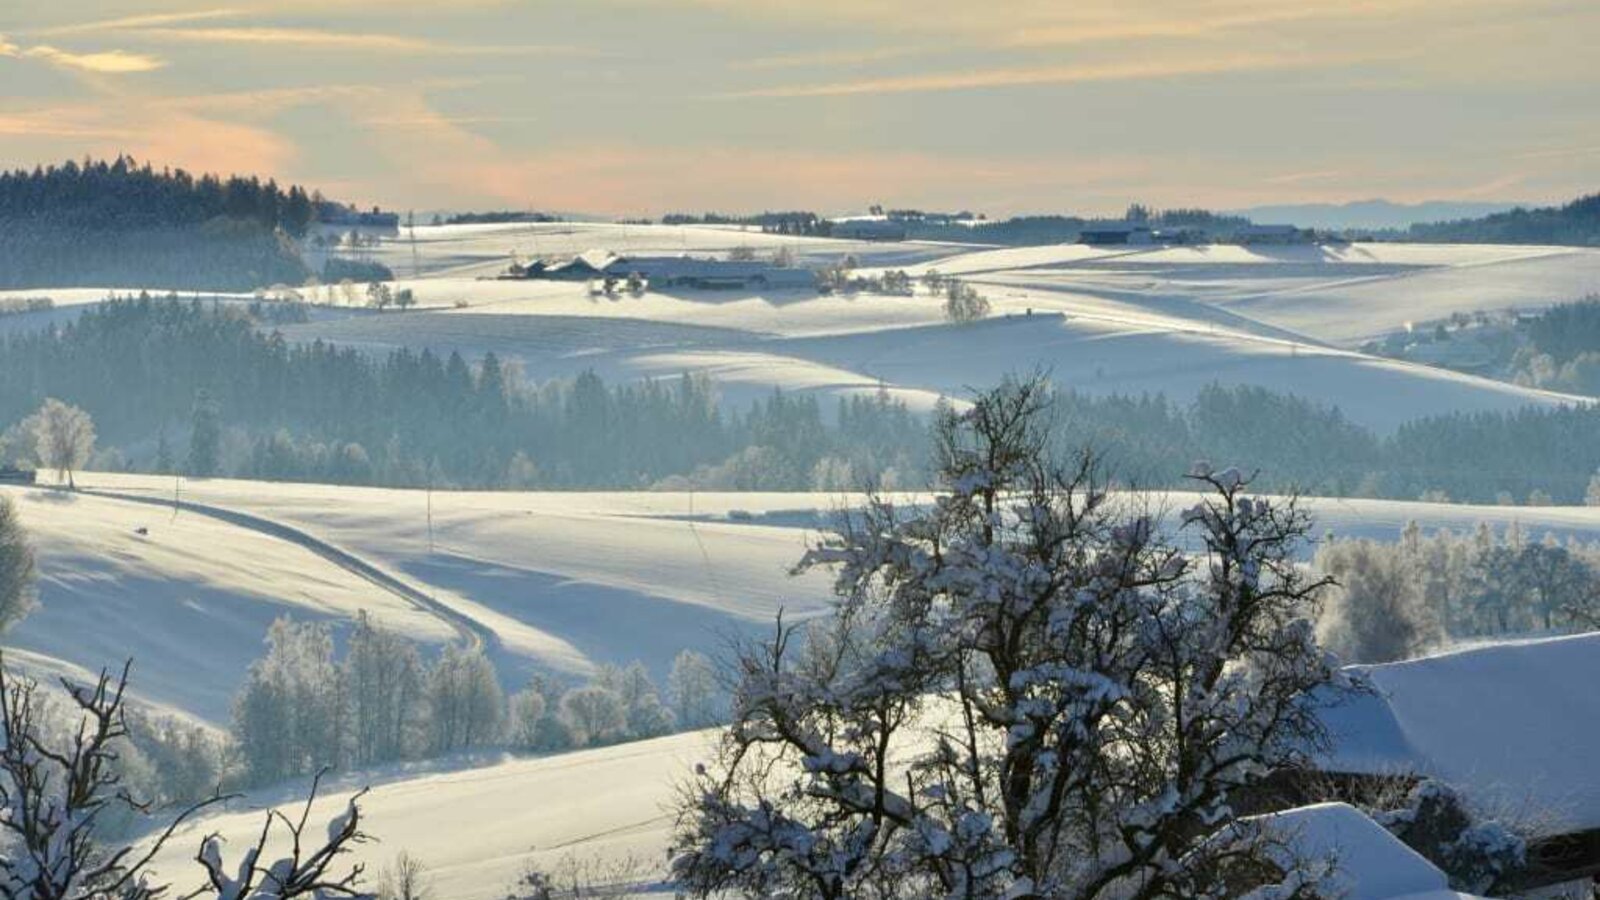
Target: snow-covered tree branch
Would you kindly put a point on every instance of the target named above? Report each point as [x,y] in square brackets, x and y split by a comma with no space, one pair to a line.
[1030,688]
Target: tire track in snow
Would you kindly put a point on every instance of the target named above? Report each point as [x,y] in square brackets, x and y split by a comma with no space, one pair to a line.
[475,634]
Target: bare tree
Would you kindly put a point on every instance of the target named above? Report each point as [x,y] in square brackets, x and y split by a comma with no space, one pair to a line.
[54,797]
[63,437]
[405,879]
[308,869]
[1028,690]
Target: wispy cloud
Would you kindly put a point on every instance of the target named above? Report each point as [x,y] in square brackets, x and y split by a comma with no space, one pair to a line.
[113,62]
[1031,76]
[142,21]
[1303,177]
[826,58]
[321,38]
[110,62]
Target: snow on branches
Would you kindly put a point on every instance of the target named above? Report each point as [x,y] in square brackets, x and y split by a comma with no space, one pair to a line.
[1028,690]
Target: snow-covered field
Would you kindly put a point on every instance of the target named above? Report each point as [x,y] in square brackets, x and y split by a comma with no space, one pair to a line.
[477,830]
[566,581]
[556,581]
[549,581]
[1102,320]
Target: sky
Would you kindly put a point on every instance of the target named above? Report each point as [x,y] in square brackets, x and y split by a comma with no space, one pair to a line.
[640,107]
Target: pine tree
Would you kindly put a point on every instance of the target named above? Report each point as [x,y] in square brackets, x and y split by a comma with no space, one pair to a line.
[205,437]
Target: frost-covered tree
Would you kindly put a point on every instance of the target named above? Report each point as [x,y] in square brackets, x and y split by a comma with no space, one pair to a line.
[288,719]
[641,703]
[594,715]
[525,727]
[963,303]
[466,707]
[692,689]
[16,567]
[383,682]
[1377,612]
[1027,690]
[63,437]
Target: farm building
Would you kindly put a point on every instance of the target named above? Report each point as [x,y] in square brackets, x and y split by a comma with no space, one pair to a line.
[1369,862]
[672,272]
[1511,727]
[13,475]
[1116,235]
[1273,234]
[868,229]
[339,217]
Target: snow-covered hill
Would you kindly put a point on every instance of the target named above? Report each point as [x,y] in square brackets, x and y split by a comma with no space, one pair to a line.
[550,581]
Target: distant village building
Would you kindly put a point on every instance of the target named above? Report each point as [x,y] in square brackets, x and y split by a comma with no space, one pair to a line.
[671,272]
[14,475]
[871,228]
[1273,235]
[1116,235]
[331,216]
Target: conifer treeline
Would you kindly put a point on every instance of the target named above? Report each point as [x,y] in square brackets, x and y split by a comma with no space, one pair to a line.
[146,369]
[122,194]
[151,370]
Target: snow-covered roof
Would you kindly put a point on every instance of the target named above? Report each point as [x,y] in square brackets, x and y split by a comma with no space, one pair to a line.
[1513,725]
[1370,863]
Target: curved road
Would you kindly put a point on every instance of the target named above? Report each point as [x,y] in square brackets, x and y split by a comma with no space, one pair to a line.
[474,633]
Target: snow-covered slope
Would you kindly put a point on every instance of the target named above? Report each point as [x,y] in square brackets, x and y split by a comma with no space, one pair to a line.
[1100,319]
[479,829]
[551,581]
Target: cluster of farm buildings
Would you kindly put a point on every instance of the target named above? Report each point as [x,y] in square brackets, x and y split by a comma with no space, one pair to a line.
[669,272]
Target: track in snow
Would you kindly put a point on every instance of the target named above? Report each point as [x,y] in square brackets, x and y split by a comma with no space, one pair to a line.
[474,633]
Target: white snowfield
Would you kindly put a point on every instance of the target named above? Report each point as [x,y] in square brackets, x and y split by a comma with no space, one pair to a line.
[1099,319]
[559,581]
[550,581]
[478,830]
[1511,725]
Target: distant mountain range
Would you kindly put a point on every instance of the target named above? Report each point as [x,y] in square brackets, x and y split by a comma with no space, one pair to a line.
[1370,213]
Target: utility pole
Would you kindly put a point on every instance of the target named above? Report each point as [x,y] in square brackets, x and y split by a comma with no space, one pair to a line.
[430,516]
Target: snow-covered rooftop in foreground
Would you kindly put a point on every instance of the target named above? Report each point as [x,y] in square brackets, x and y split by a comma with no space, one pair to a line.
[1513,725]
[1370,863]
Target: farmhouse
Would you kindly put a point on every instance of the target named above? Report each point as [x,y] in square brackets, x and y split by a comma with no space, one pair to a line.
[671,272]
[1274,234]
[337,216]
[868,229]
[1114,235]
